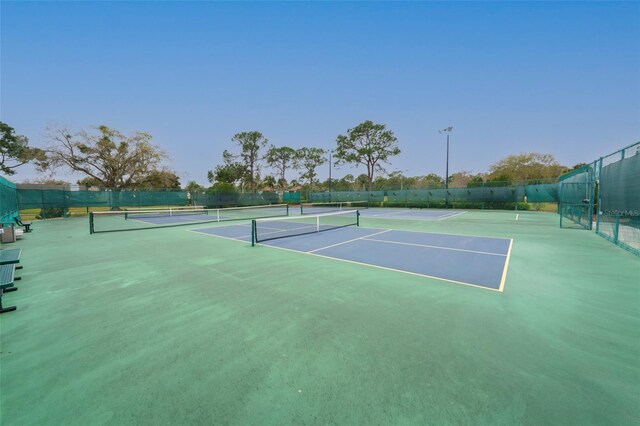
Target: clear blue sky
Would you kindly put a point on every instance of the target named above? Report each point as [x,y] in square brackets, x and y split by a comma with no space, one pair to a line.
[561,78]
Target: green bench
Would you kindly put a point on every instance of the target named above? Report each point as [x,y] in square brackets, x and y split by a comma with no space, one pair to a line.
[7,278]
[10,256]
[25,225]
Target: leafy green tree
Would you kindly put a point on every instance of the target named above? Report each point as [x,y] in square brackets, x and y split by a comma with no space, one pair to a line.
[361,182]
[460,179]
[89,182]
[268,182]
[381,182]
[228,173]
[164,178]
[15,150]
[475,181]
[250,144]
[368,144]
[498,180]
[348,182]
[193,187]
[526,166]
[111,158]
[294,183]
[576,167]
[281,159]
[433,179]
[309,159]
[429,181]
[222,187]
[396,180]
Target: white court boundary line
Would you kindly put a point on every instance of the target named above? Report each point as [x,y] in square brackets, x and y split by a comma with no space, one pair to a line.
[448,234]
[435,247]
[349,241]
[390,216]
[506,266]
[452,215]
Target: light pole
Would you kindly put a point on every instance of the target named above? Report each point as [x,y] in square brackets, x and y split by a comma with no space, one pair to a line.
[401,177]
[330,167]
[446,178]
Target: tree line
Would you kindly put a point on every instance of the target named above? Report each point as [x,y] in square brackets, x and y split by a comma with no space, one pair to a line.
[109,159]
[368,144]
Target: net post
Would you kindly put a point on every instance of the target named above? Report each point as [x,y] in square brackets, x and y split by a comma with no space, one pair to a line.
[91,230]
[592,195]
[560,204]
[357,217]
[253,233]
[599,206]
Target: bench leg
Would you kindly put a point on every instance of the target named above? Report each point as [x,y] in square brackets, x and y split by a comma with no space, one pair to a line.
[19,267]
[10,289]
[17,278]
[8,308]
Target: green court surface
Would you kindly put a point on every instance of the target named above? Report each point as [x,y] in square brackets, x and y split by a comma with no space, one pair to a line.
[168,326]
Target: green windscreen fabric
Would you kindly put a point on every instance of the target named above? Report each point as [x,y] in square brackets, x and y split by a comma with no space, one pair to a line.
[577,198]
[620,185]
[543,193]
[619,206]
[88,198]
[232,199]
[42,197]
[291,197]
[8,200]
[371,197]
[30,197]
[475,197]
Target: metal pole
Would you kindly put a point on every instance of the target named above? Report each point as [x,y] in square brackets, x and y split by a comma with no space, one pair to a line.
[330,167]
[446,178]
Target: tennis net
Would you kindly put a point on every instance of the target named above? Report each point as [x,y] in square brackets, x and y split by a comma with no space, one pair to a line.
[318,208]
[129,220]
[169,209]
[151,213]
[275,228]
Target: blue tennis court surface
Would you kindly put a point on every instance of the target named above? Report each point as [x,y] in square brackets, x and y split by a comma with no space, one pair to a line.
[476,261]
